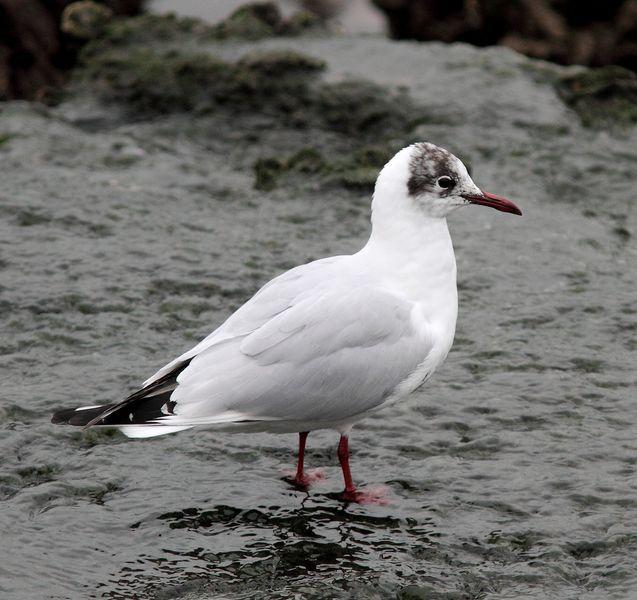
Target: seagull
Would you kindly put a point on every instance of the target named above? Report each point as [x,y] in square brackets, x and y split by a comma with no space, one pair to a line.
[329,342]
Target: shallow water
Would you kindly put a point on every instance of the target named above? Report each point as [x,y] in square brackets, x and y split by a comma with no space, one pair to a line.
[510,475]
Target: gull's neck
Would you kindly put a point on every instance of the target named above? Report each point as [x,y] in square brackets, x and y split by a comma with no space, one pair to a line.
[417,236]
[407,235]
[412,252]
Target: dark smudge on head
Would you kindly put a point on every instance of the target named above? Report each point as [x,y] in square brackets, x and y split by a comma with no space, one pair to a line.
[428,163]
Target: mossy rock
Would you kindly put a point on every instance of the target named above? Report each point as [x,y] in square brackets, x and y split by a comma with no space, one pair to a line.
[603,96]
[264,19]
[267,172]
[355,171]
[359,178]
[280,63]
[85,19]
[308,160]
[374,155]
[251,22]
[357,107]
[148,29]
[171,81]
[301,22]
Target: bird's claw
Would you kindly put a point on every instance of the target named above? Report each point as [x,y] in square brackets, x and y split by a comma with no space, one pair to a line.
[306,480]
[377,494]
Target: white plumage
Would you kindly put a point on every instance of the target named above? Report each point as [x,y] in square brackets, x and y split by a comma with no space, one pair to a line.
[325,343]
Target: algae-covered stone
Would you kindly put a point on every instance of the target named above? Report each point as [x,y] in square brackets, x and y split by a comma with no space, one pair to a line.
[149,29]
[359,178]
[302,22]
[358,107]
[5,137]
[602,96]
[277,63]
[151,81]
[267,172]
[252,22]
[170,81]
[356,171]
[85,19]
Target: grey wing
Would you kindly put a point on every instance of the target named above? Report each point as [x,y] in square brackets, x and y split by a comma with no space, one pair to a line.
[328,357]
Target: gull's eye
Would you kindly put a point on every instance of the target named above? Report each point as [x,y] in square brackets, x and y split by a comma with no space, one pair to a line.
[446,182]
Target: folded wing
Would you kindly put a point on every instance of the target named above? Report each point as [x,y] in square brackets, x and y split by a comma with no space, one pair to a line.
[326,358]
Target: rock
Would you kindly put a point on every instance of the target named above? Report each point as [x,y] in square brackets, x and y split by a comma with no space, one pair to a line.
[36,53]
[602,97]
[167,81]
[264,19]
[252,22]
[564,31]
[267,171]
[85,19]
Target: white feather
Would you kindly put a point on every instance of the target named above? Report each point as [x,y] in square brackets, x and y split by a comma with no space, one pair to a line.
[326,343]
[147,431]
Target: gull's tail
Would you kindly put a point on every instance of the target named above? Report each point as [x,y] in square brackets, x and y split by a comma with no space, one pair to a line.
[137,415]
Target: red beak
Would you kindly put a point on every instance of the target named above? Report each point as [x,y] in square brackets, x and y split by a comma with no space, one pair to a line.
[497,202]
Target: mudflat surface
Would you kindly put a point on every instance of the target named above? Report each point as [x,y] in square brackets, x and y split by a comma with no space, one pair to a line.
[124,240]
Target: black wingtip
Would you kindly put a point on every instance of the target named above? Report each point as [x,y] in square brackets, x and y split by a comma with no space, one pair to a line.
[73,416]
[62,416]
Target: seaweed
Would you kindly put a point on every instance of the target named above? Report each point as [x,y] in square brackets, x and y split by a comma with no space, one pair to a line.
[601,97]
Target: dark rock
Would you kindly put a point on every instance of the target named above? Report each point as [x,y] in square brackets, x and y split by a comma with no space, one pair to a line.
[563,31]
[170,81]
[602,97]
[252,22]
[35,53]
[85,20]
[267,172]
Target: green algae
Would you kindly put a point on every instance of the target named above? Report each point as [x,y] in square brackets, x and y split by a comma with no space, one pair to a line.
[168,82]
[250,22]
[5,137]
[267,172]
[356,170]
[282,86]
[308,161]
[85,19]
[601,97]
[151,28]
[362,122]
[264,19]
[352,107]
[281,83]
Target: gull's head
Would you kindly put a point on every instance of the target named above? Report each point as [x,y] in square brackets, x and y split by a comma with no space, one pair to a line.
[432,181]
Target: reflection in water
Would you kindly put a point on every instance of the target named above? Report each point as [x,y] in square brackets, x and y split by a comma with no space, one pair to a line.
[321,541]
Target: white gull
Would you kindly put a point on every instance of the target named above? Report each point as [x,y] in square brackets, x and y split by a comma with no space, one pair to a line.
[326,343]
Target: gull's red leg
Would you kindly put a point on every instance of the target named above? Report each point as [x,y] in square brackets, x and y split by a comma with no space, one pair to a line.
[343,456]
[300,477]
[373,495]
